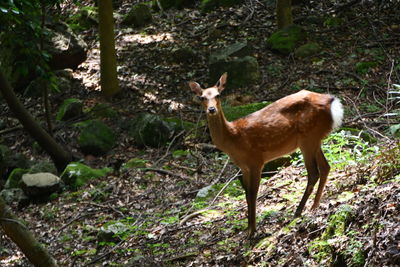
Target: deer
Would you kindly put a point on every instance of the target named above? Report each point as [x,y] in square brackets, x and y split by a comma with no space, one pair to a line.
[300,120]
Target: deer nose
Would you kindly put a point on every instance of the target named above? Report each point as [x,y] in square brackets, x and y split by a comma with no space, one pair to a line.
[212,110]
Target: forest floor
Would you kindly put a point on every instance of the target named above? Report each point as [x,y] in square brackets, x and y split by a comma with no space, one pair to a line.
[161,219]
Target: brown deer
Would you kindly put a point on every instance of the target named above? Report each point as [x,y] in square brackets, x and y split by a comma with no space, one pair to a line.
[300,120]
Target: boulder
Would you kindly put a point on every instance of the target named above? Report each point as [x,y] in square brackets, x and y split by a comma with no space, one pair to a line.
[69,109]
[14,179]
[135,163]
[285,40]
[241,71]
[150,130]
[96,138]
[307,50]
[10,160]
[66,49]
[40,184]
[14,195]
[138,16]
[43,166]
[112,232]
[103,111]
[77,174]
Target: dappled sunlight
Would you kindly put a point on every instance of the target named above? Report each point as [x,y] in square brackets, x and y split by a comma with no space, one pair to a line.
[148,38]
[172,105]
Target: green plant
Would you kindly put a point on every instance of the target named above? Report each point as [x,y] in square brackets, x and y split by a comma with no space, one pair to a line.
[345,148]
[21,30]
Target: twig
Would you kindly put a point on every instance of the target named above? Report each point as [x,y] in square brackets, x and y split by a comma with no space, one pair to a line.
[106,253]
[165,172]
[104,207]
[168,148]
[223,188]
[194,214]
[16,128]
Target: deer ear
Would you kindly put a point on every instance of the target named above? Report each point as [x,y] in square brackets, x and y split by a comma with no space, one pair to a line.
[222,82]
[196,88]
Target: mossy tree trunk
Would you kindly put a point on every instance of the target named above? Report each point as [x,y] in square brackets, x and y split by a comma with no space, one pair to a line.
[284,13]
[58,154]
[24,239]
[108,59]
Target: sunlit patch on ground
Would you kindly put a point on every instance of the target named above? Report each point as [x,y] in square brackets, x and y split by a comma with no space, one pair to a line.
[147,39]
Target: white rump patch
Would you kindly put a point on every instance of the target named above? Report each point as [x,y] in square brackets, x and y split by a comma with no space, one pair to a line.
[337,113]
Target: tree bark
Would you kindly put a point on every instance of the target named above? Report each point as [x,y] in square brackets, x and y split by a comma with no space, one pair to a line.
[284,13]
[108,59]
[24,239]
[60,157]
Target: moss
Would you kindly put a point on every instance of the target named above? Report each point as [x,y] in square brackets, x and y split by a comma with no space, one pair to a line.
[77,174]
[70,108]
[236,112]
[285,40]
[138,16]
[96,138]
[307,50]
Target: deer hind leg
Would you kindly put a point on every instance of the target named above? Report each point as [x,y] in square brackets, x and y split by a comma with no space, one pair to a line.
[310,160]
[324,169]
[251,182]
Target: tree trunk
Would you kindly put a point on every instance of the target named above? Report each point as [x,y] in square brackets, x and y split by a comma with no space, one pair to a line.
[108,60]
[60,157]
[284,13]
[24,239]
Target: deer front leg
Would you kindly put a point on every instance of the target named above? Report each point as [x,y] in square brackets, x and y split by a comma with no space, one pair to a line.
[251,182]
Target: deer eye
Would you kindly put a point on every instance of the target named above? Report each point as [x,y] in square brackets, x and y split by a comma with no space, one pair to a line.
[217,96]
[201,98]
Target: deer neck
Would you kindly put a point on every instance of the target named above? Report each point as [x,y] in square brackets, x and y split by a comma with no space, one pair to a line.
[220,130]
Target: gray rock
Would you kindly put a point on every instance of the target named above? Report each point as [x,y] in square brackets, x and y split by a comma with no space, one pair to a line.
[14,195]
[242,72]
[40,184]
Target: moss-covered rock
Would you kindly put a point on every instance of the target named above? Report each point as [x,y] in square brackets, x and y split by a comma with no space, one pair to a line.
[10,160]
[96,138]
[69,109]
[285,40]
[77,174]
[307,50]
[138,16]
[43,166]
[236,112]
[150,130]
[85,18]
[14,179]
[103,111]
[135,163]
[14,195]
[241,71]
